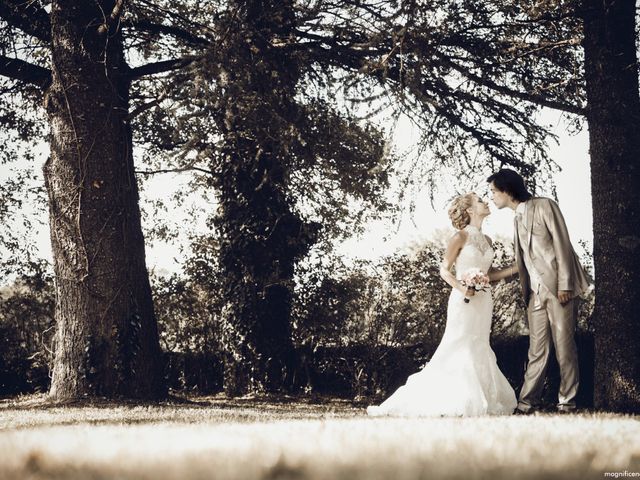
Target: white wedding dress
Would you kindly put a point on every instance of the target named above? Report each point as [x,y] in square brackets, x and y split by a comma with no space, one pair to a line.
[462,378]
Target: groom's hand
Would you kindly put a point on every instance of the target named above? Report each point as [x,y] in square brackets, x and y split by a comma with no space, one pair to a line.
[564,296]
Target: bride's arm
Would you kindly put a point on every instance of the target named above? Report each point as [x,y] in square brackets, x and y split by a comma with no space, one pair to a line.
[497,274]
[451,253]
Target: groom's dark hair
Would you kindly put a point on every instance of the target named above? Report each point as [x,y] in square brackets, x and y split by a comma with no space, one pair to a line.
[510,182]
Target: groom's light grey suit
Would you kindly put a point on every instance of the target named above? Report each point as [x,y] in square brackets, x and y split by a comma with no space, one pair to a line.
[548,263]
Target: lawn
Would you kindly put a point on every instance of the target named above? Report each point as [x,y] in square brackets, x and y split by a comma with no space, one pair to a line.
[296,439]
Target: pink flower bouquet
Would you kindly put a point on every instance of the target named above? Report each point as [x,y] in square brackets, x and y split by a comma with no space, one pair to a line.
[476,279]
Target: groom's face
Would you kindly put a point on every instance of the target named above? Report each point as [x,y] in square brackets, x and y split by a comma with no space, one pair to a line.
[501,199]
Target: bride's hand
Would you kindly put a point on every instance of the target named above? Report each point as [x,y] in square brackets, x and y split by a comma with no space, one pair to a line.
[469,292]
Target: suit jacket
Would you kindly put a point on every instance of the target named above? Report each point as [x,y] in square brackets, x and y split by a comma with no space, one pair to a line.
[550,250]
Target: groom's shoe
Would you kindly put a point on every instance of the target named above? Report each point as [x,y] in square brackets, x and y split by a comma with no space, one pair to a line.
[523,408]
[528,411]
[565,409]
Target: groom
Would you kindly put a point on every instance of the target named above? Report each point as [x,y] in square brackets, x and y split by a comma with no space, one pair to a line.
[551,277]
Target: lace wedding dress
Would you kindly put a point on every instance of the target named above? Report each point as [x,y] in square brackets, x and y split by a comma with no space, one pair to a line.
[462,378]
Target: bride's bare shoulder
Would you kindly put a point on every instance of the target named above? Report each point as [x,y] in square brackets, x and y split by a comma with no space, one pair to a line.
[458,239]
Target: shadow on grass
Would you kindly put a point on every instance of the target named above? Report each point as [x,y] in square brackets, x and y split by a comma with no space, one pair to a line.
[36,411]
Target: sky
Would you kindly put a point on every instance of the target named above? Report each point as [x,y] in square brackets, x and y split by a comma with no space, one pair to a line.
[573,184]
[384,237]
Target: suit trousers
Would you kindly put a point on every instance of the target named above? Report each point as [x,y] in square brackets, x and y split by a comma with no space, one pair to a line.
[549,320]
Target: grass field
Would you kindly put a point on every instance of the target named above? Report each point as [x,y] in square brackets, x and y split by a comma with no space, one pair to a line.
[250,439]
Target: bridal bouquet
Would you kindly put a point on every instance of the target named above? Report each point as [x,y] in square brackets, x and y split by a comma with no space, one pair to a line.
[476,279]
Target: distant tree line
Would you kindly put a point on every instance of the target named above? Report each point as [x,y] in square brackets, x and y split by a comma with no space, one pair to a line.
[357,329]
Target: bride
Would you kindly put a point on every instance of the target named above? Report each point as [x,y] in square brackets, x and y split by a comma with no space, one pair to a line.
[462,378]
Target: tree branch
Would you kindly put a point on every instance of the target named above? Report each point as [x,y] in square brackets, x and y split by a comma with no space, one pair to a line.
[345,56]
[160,67]
[175,170]
[112,19]
[529,97]
[172,13]
[28,17]
[155,28]
[148,105]
[25,72]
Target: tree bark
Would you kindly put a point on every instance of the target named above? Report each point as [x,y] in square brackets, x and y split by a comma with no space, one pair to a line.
[613,114]
[261,236]
[106,333]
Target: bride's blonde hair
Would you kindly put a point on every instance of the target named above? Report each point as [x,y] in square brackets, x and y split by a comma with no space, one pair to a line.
[458,210]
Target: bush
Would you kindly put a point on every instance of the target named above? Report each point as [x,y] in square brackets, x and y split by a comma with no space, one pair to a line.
[26,331]
[186,320]
[364,371]
[200,372]
[359,330]
[400,300]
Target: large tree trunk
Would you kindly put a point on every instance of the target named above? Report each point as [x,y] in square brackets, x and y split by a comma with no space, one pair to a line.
[106,338]
[261,236]
[614,135]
